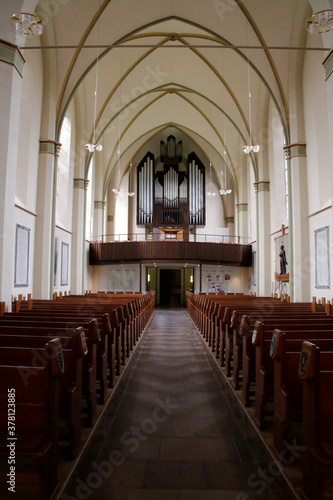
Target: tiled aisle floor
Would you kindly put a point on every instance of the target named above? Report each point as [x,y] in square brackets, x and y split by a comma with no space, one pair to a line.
[170,433]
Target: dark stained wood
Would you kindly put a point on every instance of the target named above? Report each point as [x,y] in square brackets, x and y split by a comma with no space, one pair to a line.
[180,251]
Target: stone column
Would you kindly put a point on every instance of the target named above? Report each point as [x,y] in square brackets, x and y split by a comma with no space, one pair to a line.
[230,223]
[328,66]
[242,210]
[11,66]
[44,263]
[262,190]
[78,235]
[99,210]
[299,276]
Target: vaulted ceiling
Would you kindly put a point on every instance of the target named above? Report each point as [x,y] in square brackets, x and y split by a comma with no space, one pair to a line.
[178,66]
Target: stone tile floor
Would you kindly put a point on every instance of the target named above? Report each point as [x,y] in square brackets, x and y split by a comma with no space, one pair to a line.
[172,433]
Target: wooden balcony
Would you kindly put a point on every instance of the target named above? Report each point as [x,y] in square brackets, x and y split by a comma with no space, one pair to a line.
[170,251]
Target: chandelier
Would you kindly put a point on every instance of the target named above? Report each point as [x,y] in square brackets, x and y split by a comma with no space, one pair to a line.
[130,193]
[320,22]
[210,193]
[224,191]
[249,147]
[27,24]
[93,146]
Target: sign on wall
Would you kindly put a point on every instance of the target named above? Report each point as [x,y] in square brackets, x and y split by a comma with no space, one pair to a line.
[322,257]
[22,256]
[64,263]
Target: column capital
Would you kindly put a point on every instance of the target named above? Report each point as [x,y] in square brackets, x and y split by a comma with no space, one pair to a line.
[242,207]
[49,147]
[297,150]
[229,220]
[81,184]
[11,54]
[99,205]
[261,186]
[328,65]
[110,218]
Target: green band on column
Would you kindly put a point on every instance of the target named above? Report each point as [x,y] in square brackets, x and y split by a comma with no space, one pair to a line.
[295,151]
[81,183]
[242,207]
[261,186]
[99,205]
[12,55]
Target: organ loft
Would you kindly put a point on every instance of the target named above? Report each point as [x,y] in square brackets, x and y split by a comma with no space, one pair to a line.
[171,192]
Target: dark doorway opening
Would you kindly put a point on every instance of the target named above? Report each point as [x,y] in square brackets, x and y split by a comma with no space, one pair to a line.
[170,287]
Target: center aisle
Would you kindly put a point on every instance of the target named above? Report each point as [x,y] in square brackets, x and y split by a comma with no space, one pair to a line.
[171,433]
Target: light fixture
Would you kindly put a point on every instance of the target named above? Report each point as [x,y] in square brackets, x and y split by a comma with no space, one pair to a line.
[249,148]
[191,278]
[92,146]
[117,190]
[320,22]
[130,193]
[27,24]
[224,191]
[210,193]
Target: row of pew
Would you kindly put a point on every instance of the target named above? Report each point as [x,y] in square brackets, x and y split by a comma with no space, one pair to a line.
[59,359]
[278,358]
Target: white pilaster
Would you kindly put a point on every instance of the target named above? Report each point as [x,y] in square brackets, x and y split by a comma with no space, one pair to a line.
[11,65]
[262,190]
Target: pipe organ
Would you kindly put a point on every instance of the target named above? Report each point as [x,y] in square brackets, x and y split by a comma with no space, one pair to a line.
[171,188]
[196,190]
[172,191]
[145,213]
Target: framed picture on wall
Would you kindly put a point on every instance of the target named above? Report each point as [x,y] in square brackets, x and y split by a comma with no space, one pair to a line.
[322,257]
[22,256]
[56,252]
[64,263]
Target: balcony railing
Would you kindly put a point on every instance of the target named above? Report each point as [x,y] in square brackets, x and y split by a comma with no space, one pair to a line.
[198,238]
[111,252]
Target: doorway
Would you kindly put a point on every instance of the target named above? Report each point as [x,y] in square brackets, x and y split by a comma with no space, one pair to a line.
[170,287]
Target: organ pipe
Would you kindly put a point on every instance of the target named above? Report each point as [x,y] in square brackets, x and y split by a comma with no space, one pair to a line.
[196,199]
[146,191]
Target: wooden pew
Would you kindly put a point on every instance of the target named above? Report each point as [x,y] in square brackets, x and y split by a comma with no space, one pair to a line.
[35,423]
[316,372]
[234,341]
[42,326]
[264,367]
[248,344]
[288,393]
[74,349]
